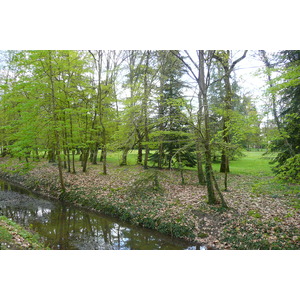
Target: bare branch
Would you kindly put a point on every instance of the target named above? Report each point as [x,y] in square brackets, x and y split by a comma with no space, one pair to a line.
[186,64]
[237,61]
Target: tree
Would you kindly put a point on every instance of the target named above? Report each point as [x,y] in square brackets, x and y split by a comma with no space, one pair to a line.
[223,57]
[105,63]
[286,87]
[194,72]
[171,128]
[200,72]
[129,132]
[43,97]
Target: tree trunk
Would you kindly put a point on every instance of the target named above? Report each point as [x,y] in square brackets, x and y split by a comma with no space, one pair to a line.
[160,155]
[73,162]
[145,109]
[94,154]
[51,155]
[209,176]
[226,119]
[208,164]
[85,157]
[124,157]
[140,153]
[200,173]
[55,119]
[104,152]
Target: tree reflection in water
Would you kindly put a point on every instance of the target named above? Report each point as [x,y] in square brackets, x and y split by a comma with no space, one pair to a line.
[67,227]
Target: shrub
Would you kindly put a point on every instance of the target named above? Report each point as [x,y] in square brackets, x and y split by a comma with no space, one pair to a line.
[290,170]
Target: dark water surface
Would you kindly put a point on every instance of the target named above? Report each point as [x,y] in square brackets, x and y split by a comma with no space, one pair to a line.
[64,226]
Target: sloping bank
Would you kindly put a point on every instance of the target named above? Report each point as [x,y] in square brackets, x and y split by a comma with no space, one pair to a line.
[14,237]
[139,198]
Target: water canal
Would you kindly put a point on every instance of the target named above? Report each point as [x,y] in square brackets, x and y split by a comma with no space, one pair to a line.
[64,226]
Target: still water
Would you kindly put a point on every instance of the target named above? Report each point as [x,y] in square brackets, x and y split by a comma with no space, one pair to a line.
[64,226]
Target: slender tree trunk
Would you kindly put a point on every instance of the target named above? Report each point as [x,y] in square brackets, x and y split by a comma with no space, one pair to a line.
[95,154]
[37,156]
[85,157]
[161,105]
[68,160]
[145,109]
[140,153]
[208,164]
[146,148]
[101,155]
[104,153]
[226,119]
[124,156]
[200,173]
[51,154]
[180,167]
[73,162]
[55,119]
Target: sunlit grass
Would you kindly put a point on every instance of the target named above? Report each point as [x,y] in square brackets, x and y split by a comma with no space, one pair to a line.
[116,157]
[253,163]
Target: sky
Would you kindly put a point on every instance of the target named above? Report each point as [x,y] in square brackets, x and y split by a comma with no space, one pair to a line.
[253,83]
[246,71]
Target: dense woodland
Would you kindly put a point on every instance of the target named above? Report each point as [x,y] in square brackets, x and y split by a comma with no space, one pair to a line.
[177,109]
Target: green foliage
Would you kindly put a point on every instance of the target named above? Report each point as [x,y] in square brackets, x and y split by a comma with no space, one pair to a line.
[276,188]
[256,235]
[254,213]
[290,170]
[182,157]
[25,239]
[286,88]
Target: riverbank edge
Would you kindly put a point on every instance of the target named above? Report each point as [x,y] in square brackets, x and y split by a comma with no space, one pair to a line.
[86,200]
[16,237]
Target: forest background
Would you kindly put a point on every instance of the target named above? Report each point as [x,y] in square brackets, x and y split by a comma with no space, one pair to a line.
[242,263]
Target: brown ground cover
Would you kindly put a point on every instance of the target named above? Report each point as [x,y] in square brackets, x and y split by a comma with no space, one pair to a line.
[156,198]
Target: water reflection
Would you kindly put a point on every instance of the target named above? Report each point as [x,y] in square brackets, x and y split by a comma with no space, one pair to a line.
[68,227]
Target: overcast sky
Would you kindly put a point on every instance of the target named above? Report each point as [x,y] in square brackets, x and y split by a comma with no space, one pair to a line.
[251,82]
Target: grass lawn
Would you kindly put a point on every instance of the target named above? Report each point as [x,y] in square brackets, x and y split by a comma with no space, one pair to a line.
[253,163]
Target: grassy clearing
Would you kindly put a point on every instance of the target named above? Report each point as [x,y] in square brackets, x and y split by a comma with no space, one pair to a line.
[253,163]
[116,157]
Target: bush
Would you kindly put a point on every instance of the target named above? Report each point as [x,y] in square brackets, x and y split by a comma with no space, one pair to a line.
[290,170]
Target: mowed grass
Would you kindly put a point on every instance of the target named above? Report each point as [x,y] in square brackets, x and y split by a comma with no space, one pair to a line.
[253,163]
[116,157]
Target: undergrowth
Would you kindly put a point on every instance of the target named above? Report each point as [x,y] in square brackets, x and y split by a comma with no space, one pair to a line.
[13,236]
[253,234]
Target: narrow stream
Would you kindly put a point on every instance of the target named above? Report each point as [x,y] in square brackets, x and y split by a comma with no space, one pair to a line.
[67,227]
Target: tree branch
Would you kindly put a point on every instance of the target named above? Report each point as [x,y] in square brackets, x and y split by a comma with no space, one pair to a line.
[237,61]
